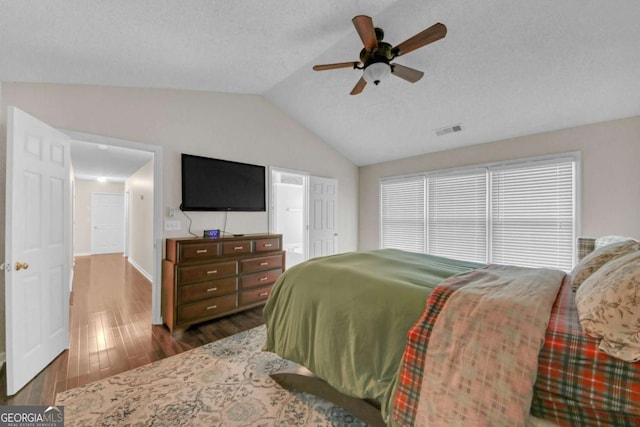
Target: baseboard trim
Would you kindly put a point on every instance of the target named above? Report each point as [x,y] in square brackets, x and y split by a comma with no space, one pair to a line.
[82,254]
[140,269]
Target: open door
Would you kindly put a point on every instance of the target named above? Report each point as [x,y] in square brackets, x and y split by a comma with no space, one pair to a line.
[323,212]
[38,247]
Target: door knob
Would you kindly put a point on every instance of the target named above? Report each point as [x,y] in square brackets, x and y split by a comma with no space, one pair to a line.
[20,266]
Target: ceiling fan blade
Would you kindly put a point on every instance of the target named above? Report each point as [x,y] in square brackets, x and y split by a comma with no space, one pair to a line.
[366,31]
[430,35]
[409,74]
[324,67]
[359,87]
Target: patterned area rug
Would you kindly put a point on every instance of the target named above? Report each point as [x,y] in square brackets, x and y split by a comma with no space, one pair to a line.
[224,383]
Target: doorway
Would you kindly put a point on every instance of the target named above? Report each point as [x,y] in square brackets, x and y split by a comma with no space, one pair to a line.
[303,209]
[288,213]
[39,160]
[150,190]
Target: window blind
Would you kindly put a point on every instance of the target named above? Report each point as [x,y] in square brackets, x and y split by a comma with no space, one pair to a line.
[522,213]
[457,216]
[402,216]
[533,214]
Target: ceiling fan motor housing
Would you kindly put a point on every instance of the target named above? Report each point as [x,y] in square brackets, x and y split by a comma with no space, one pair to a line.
[384,51]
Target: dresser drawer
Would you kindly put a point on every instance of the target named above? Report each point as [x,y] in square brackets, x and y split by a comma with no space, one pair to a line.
[260,264]
[207,308]
[199,273]
[198,251]
[260,279]
[254,296]
[205,290]
[263,245]
[238,247]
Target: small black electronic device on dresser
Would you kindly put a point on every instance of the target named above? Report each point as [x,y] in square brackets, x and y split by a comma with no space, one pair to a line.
[207,278]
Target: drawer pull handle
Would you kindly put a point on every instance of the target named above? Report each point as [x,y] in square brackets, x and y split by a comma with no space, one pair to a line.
[212,272]
[264,294]
[212,289]
[238,248]
[211,307]
[201,251]
[267,245]
[262,279]
[262,264]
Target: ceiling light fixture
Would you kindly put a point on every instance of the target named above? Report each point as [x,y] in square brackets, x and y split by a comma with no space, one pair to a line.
[376,72]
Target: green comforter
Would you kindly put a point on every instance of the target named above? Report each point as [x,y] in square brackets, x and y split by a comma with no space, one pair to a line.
[346,317]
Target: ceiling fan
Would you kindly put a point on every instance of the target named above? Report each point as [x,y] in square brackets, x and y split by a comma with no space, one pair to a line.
[376,56]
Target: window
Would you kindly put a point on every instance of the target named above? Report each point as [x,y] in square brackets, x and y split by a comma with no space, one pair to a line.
[402,213]
[457,226]
[520,213]
[533,214]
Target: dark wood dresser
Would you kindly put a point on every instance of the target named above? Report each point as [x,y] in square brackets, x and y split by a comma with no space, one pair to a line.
[203,279]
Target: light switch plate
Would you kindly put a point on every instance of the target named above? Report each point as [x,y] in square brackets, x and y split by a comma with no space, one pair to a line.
[172,225]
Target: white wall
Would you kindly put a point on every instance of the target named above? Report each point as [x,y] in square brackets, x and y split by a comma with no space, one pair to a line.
[610,174]
[245,128]
[140,189]
[82,226]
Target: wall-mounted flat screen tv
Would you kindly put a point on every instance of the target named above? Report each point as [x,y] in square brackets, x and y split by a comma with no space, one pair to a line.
[221,185]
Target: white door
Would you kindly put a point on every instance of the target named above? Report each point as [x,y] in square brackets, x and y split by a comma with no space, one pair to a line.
[323,209]
[107,223]
[37,245]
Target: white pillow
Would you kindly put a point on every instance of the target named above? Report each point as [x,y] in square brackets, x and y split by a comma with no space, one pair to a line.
[608,304]
[607,240]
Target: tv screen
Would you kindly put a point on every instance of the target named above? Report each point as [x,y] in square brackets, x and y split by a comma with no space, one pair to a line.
[221,185]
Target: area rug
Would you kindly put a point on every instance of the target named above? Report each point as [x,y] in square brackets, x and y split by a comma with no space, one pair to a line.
[224,383]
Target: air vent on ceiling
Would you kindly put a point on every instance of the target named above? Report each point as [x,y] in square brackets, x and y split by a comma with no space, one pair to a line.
[448,129]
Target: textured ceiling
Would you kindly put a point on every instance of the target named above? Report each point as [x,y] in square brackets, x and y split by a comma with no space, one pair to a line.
[506,68]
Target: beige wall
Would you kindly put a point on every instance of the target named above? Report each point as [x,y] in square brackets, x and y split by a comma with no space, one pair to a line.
[139,186]
[244,128]
[82,225]
[610,174]
[3,174]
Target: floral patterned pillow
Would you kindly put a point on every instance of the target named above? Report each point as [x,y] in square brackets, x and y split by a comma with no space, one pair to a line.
[608,305]
[596,259]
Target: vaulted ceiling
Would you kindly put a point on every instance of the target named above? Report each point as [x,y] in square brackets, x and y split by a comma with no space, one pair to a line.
[506,67]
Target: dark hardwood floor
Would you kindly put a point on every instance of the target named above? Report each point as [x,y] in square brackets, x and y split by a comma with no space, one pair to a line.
[111,331]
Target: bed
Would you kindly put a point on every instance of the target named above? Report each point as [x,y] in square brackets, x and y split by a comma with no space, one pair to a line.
[372,327]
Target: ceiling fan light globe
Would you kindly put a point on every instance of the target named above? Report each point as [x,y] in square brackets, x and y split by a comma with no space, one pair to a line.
[376,72]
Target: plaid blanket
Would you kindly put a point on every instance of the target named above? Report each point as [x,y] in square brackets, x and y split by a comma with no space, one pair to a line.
[482,357]
[575,385]
[410,380]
